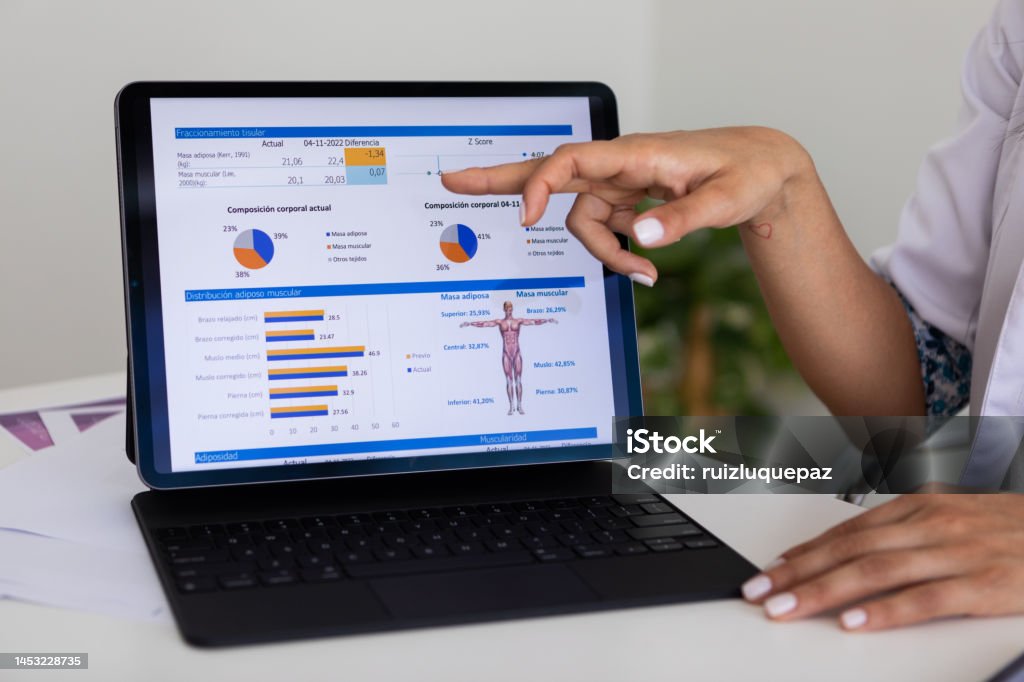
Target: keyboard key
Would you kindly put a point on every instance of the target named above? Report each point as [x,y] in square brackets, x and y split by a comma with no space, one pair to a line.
[390,517]
[179,543]
[197,584]
[283,576]
[554,554]
[364,542]
[355,556]
[197,556]
[268,563]
[418,526]
[425,514]
[171,532]
[283,549]
[452,563]
[206,530]
[502,545]
[278,525]
[462,548]
[702,543]
[389,554]
[495,508]
[247,553]
[314,560]
[189,572]
[437,537]
[539,541]
[473,534]
[596,501]
[243,528]
[592,551]
[614,523]
[317,522]
[623,511]
[343,533]
[322,546]
[573,539]
[564,504]
[665,547]
[230,541]
[461,511]
[353,519]
[321,575]
[629,548]
[395,540]
[606,537]
[628,499]
[678,530]
[658,520]
[237,581]
[657,507]
[429,551]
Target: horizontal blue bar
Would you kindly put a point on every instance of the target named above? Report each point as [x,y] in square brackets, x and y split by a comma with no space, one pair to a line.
[366,175]
[384,288]
[319,450]
[289,415]
[308,356]
[297,337]
[268,320]
[306,394]
[308,375]
[372,131]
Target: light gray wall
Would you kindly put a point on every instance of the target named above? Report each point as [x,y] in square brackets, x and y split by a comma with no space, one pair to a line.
[865,85]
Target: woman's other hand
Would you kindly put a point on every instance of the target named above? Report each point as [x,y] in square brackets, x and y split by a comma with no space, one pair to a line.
[916,558]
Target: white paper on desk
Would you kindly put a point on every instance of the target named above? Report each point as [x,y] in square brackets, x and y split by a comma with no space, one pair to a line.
[79,492]
[70,575]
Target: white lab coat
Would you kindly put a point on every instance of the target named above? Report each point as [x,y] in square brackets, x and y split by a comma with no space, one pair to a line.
[958,255]
[960,248]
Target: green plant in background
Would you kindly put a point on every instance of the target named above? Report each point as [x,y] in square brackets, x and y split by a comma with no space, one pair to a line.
[707,345]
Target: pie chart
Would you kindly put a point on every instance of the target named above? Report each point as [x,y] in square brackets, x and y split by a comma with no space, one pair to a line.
[254,249]
[458,243]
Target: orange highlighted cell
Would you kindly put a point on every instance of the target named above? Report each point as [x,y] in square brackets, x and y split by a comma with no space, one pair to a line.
[364,156]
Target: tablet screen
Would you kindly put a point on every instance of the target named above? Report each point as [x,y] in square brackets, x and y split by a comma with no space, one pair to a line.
[323,297]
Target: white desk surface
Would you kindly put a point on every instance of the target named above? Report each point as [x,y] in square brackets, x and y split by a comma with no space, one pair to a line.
[722,640]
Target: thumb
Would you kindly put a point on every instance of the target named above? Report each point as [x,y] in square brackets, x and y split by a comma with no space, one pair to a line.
[713,204]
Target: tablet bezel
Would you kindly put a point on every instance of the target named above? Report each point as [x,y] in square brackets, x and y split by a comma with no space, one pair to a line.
[142,282]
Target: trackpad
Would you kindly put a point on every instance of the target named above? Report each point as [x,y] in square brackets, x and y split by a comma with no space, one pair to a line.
[497,589]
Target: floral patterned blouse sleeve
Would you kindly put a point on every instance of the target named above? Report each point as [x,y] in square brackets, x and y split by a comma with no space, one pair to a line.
[945,367]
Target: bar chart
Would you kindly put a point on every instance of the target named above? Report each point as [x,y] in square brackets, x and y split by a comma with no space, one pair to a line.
[303,364]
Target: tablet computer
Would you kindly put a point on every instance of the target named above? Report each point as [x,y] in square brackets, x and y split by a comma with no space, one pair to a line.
[306,300]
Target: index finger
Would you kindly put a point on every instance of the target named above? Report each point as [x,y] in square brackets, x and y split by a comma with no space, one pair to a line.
[508,178]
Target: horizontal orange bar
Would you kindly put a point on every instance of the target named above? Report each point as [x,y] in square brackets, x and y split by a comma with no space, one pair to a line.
[364,156]
[317,351]
[303,389]
[294,313]
[307,370]
[292,332]
[298,408]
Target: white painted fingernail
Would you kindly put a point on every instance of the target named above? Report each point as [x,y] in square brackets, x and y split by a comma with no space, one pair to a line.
[641,278]
[522,212]
[756,587]
[853,619]
[648,231]
[780,604]
[778,561]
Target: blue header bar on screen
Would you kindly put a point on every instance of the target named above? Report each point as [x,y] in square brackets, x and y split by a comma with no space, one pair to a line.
[373,131]
[384,288]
